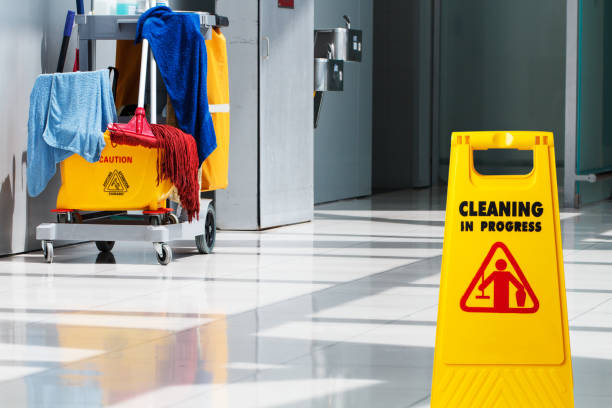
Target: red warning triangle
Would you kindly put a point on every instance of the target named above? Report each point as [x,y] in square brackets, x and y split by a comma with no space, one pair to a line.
[495,289]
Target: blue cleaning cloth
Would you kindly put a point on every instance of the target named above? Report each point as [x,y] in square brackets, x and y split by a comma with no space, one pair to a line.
[68,114]
[180,53]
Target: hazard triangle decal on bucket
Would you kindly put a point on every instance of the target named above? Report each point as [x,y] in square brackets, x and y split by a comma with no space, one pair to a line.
[499,286]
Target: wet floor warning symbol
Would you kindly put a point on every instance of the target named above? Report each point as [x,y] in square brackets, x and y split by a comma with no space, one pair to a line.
[115,183]
[499,286]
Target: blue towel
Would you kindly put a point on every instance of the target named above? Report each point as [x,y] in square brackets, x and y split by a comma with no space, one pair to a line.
[68,114]
[180,53]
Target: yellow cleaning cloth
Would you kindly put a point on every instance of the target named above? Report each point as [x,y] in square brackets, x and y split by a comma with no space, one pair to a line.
[215,167]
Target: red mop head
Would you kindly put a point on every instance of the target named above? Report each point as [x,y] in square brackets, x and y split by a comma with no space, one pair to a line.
[137,132]
[178,160]
[177,155]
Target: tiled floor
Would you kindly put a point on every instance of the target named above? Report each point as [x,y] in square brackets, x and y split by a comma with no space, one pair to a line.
[339,312]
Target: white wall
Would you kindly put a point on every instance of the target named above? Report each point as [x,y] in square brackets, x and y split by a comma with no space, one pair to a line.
[285,114]
[237,206]
[23,54]
[343,139]
[30,38]
[270,162]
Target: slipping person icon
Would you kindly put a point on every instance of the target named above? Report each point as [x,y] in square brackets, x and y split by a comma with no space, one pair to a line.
[501,280]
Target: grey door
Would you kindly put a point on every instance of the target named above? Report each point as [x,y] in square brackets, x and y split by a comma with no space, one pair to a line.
[285,112]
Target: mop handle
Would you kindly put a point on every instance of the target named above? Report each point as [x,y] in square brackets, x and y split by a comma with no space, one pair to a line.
[143,70]
[65,41]
[153,80]
[143,73]
[153,89]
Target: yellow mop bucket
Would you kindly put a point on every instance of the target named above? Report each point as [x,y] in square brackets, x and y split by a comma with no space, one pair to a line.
[125,178]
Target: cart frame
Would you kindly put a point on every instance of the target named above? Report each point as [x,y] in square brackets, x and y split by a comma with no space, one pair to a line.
[158,227]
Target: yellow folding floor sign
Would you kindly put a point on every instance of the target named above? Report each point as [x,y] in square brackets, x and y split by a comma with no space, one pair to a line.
[502,335]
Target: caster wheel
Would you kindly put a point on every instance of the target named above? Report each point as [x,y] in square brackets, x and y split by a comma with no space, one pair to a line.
[64,218]
[77,218]
[47,248]
[206,241]
[105,246]
[166,256]
[172,219]
[154,220]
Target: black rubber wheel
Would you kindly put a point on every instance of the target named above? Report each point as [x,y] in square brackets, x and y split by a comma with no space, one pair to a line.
[64,218]
[166,257]
[154,220]
[105,246]
[76,218]
[206,241]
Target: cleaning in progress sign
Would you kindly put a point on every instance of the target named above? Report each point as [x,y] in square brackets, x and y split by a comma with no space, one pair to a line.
[502,315]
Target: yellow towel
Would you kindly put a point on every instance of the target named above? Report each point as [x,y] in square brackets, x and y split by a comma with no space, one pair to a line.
[215,167]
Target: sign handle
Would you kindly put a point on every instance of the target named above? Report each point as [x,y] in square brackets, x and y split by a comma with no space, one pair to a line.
[502,140]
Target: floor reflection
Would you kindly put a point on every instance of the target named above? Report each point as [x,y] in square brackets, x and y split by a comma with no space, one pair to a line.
[125,367]
[340,312]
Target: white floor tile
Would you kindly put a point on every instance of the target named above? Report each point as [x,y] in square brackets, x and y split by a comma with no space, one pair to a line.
[339,312]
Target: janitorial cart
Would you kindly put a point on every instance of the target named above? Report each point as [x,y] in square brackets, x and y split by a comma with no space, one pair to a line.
[121,197]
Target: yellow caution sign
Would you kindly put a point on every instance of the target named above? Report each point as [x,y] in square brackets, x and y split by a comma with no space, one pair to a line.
[502,336]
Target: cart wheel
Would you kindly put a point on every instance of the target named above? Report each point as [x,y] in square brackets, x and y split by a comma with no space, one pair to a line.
[206,241]
[166,256]
[64,218]
[76,218]
[47,248]
[105,246]
[154,220]
[172,219]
